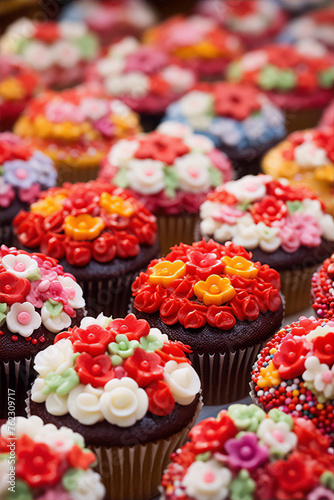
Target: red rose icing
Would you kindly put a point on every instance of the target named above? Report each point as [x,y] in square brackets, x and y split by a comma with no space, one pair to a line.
[132,327]
[161,400]
[290,358]
[13,289]
[144,367]
[96,371]
[93,340]
[212,434]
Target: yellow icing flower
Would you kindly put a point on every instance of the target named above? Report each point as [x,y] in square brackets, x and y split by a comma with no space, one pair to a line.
[42,126]
[269,376]
[11,89]
[325,173]
[48,205]
[83,227]
[240,266]
[124,123]
[288,169]
[165,272]
[116,205]
[215,290]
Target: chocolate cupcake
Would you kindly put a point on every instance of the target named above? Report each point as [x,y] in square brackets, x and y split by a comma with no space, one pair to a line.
[128,390]
[213,298]
[322,291]
[37,300]
[283,226]
[295,373]
[23,174]
[99,233]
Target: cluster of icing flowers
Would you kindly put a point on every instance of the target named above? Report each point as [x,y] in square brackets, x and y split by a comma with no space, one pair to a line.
[295,372]
[35,291]
[85,221]
[246,454]
[237,116]
[323,289]
[207,283]
[49,463]
[165,168]
[23,172]
[114,370]
[257,211]
[146,78]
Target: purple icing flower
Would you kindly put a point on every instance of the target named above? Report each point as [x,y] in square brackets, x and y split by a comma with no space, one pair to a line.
[19,173]
[146,60]
[246,453]
[320,493]
[44,167]
[7,193]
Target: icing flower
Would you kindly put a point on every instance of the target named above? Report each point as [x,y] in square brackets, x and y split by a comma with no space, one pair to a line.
[23,319]
[239,266]
[269,376]
[131,326]
[30,453]
[55,321]
[290,358]
[277,436]
[293,467]
[57,358]
[92,339]
[116,205]
[13,289]
[204,264]
[235,102]
[215,290]
[83,227]
[144,367]
[247,189]
[60,384]
[211,434]
[18,174]
[207,480]
[160,398]
[96,371]
[269,210]
[48,205]
[323,347]
[122,348]
[246,418]
[319,378]
[182,380]
[166,272]
[146,176]
[246,452]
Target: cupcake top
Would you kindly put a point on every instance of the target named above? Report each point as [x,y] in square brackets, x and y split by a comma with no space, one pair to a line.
[122,368]
[146,78]
[50,463]
[317,25]
[323,289]
[35,292]
[167,167]
[18,82]
[295,372]
[23,172]
[257,211]
[207,283]
[236,117]
[244,453]
[86,221]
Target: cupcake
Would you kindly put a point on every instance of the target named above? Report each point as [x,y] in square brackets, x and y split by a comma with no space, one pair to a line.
[18,84]
[306,158]
[111,20]
[145,78]
[59,52]
[76,128]
[300,79]
[50,463]
[295,373]
[239,119]
[327,119]
[130,392]
[246,454]
[198,42]
[322,291]
[99,233]
[285,227]
[37,300]
[214,299]
[23,174]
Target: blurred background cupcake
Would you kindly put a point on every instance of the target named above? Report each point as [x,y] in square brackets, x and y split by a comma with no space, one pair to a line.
[295,7]
[327,119]
[76,128]
[322,292]
[239,119]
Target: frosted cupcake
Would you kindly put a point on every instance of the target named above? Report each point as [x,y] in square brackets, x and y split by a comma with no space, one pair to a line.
[322,292]
[128,390]
[76,128]
[283,226]
[50,463]
[59,52]
[306,158]
[198,42]
[295,373]
[239,119]
[37,301]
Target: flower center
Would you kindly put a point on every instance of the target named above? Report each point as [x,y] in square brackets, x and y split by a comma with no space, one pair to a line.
[327,377]
[149,172]
[123,328]
[145,365]
[19,267]
[246,452]
[82,225]
[209,477]
[23,318]
[278,436]
[214,289]
[165,271]
[292,356]
[7,288]
[194,173]
[122,345]
[21,173]
[96,370]
[91,336]
[328,348]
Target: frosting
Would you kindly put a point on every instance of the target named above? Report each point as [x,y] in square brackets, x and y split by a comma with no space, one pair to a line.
[50,463]
[315,25]
[323,289]
[34,291]
[259,212]
[166,167]
[85,221]
[117,372]
[225,459]
[207,283]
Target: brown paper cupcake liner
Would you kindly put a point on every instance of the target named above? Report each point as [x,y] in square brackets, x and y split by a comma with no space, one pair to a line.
[6,234]
[15,381]
[67,173]
[173,229]
[302,119]
[296,288]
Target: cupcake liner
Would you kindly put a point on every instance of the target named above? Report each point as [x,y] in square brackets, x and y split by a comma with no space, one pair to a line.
[68,173]
[15,376]
[302,119]
[6,234]
[173,229]
[296,288]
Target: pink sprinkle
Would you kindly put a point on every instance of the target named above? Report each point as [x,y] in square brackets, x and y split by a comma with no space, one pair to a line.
[23,318]
[21,173]
[44,286]
[19,267]
[209,477]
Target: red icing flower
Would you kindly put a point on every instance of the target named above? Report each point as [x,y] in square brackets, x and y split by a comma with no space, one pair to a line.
[235,101]
[127,245]
[29,228]
[290,357]
[96,371]
[161,147]
[78,253]
[132,327]
[54,245]
[283,56]
[149,300]
[269,210]
[223,197]
[204,264]
[192,315]
[160,398]
[13,289]
[144,367]
[169,310]
[270,275]
[293,476]
[54,222]
[173,351]
[82,201]
[287,192]
[221,317]
[104,247]
[94,339]
[47,32]
[323,348]
[80,459]
[311,441]
[211,434]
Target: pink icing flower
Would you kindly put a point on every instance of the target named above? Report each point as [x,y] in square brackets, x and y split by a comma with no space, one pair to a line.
[58,111]
[227,214]
[299,229]
[105,126]
[7,194]
[29,195]
[221,161]
[146,60]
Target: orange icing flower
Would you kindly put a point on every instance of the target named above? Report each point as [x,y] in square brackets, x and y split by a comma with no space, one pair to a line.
[116,205]
[83,227]
[48,205]
[166,272]
[11,89]
[269,376]
[240,266]
[215,290]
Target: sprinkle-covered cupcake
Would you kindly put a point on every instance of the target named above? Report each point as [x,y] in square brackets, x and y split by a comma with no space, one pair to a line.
[306,158]
[76,128]
[37,300]
[23,174]
[322,292]
[241,121]
[215,299]
[295,373]
[58,51]
[170,171]
[99,233]
[284,226]
[246,454]
[327,119]
[145,78]
[128,390]
[50,463]
[299,80]
[18,84]
[198,42]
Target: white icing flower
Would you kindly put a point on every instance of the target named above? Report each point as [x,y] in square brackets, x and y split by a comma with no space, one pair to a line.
[269,240]
[21,265]
[23,319]
[123,402]
[247,189]
[277,436]
[183,382]
[122,152]
[4,473]
[89,487]
[110,67]
[56,405]
[24,426]
[70,29]
[209,226]
[159,335]
[327,224]
[193,172]
[100,320]
[174,129]
[55,358]
[311,48]
[319,378]
[125,47]
[84,404]
[37,393]
[77,301]
[93,108]
[309,155]
[207,480]
[208,208]
[65,54]
[254,60]
[320,331]
[38,56]
[135,84]
[146,176]
[180,79]
[55,324]
[196,103]
[223,233]
[61,440]
[118,107]
[247,236]
[201,143]
[312,207]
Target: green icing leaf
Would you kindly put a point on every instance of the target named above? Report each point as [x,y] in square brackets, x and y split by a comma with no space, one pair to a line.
[326,78]
[216,176]
[61,384]
[21,45]
[22,491]
[246,418]
[171,181]
[71,479]
[269,77]
[327,480]
[203,457]
[54,308]
[1,170]
[3,309]
[123,347]
[287,79]
[243,206]
[34,275]
[278,416]
[242,487]
[116,360]
[294,206]
[121,178]
[88,46]
[151,343]
[234,72]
